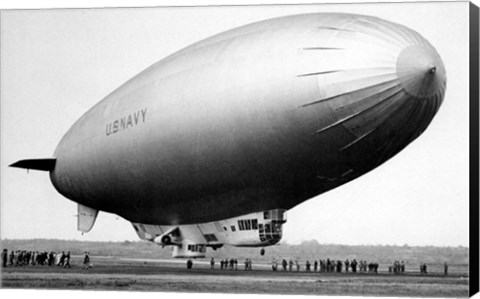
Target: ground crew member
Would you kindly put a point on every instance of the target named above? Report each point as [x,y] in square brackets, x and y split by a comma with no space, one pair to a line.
[354,266]
[60,259]
[33,260]
[86,262]
[19,258]
[67,260]
[50,258]
[10,258]
[4,257]
[274,265]
[339,266]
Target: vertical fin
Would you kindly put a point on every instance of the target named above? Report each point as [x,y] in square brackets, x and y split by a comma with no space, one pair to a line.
[86,218]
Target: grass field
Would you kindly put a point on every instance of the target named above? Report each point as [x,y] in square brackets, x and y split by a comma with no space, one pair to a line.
[111,273]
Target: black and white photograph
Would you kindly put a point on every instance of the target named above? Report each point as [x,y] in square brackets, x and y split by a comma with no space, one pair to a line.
[285,149]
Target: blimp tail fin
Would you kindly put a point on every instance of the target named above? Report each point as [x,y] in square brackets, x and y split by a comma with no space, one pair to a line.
[47,164]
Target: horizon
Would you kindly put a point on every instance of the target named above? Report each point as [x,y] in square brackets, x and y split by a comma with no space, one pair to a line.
[282,242]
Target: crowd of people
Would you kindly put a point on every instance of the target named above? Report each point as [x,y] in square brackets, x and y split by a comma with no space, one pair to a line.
[231,264]
[19,258]
[227,264]
[327,265]
[322,266]
[397,267]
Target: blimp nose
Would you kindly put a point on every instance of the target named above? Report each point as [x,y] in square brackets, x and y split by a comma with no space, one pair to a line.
[422,78]
[418,92]
[421,73]
[386,106]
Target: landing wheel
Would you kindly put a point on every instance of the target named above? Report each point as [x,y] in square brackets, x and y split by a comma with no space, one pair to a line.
[262,251]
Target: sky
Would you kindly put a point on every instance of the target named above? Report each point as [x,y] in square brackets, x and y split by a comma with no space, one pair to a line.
[56,64]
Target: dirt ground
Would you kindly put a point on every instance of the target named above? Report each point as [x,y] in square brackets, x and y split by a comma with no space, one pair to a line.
[172,276]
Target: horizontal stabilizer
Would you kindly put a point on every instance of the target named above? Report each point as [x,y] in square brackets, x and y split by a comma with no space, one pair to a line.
[47,164]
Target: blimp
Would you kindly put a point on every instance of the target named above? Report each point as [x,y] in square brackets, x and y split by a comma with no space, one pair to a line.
[213,144]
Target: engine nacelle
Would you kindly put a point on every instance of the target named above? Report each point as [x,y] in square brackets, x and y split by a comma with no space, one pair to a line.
[170,237]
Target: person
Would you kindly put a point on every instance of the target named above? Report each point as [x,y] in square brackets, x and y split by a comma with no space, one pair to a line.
[290,265]
[4,257]
[235,262]
[421,268]
[26,257]
[248,264]
[284,264]
[354,266]
[274,265]
[10,258]
[19,258]
[445,268]
[51,258]
[307,266]
[67,260]
[347,264]
[86,262]
[189,264]
[212,263]
[33,260]
[41,257]
[221,264]
[315,266]
[60,259]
